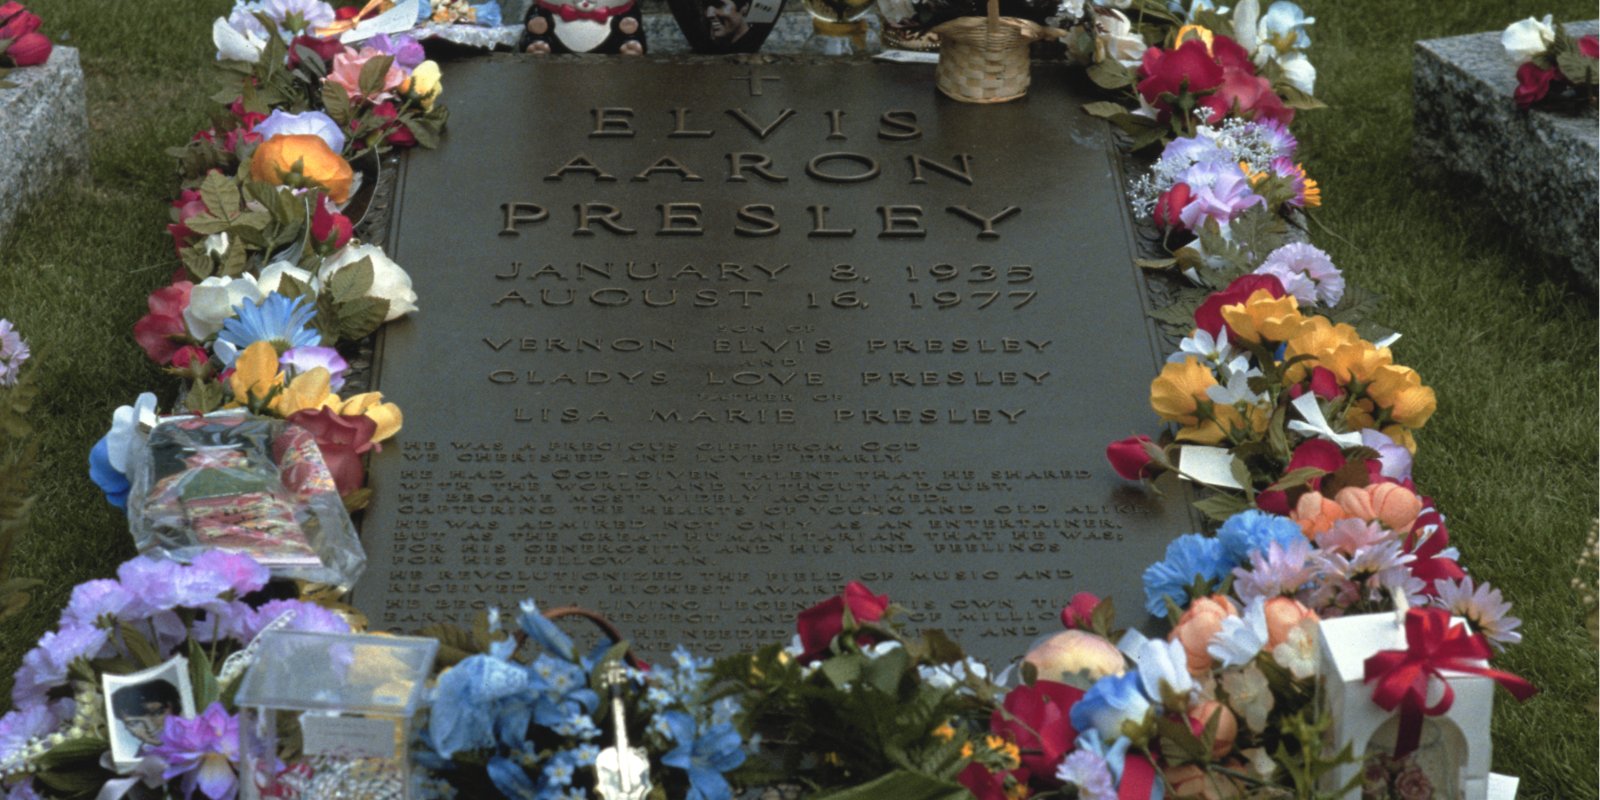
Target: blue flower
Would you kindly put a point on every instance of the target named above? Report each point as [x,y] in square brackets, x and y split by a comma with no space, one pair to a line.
[105,476]
[1189,557]
[511,779]
[1110,705]
[1252,531]
[276,319]
[544,632]
[463,697]
[704,758]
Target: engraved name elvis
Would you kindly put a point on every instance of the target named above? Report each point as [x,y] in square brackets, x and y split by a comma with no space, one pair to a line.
[685,218]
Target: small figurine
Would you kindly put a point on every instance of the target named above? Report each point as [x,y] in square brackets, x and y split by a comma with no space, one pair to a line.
[584,26]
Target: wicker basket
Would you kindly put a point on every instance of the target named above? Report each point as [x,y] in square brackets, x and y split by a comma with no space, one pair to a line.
[985,59]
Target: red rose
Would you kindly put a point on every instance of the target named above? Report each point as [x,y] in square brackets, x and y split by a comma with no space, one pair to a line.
[1246,95]
[396,133]
[1129,458]
[1038,719]
[1170,205]
[983,784]
[29,50]
[1432,564]
[1319,453]
[325,49]
[187,205]
[346,12]
[820,624]
[1533,84]
[162,331]
[1080,610]
[342,439]
[15,21]
[1589,46]
[189,355]
[1167,74]
[329,228]
[1325,383]
[1208,317]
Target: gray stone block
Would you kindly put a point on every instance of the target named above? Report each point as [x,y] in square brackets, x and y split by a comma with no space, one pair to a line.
[44,132]
[1539,168]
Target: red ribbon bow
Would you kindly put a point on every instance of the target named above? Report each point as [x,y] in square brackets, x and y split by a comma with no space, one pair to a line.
[1432,645]
[568,13]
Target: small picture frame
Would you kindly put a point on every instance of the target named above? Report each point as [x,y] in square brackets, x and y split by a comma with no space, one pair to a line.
[137,707]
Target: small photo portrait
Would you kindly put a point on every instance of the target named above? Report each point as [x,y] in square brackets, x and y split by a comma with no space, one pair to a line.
[138,705]
[725,20]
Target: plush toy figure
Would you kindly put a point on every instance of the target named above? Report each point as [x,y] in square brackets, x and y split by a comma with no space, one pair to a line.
[584,26]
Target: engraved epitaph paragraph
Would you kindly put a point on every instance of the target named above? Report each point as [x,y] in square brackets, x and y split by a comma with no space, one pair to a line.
[698,344]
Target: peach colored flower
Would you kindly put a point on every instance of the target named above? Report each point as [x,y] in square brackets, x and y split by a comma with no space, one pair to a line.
[1283,613]
[347,73]
[1391,504]
[1076,658]
[1198,625]
[1315,513]
[280,158]
[1227,725]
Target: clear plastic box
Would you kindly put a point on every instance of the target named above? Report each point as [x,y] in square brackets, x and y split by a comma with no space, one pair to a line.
[245,484]
[329,716]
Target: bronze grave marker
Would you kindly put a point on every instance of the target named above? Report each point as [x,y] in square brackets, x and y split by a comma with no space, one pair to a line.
[700,343]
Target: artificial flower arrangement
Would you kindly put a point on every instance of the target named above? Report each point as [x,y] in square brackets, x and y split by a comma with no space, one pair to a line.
[1551,61]
[1207,65]
[21,43]
[197,620]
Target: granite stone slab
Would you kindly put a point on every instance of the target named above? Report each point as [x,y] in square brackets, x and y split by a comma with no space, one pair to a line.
[1538,168]
[44,125]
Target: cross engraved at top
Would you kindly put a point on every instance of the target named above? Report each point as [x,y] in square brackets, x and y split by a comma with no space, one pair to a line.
[755,81]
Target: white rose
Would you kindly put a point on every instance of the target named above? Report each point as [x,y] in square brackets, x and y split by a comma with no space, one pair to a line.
[389,281]
[235,45]
[1116,39]
[211,303]
[124,427]
[273,274]
[1528,38]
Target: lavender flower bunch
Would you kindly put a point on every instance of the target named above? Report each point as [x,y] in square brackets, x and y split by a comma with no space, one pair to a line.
[153,610]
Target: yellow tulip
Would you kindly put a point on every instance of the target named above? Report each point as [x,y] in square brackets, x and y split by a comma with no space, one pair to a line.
[1266,317]
[278,159]
[308,391]
[386,415]
[255,373]
[1177,392]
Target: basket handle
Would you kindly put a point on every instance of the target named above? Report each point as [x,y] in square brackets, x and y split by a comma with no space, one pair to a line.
[600,621]
[994,16]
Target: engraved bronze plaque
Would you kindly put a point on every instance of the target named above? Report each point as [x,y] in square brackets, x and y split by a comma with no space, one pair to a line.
[700,343]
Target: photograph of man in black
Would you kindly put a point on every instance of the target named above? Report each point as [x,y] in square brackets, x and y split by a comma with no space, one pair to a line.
[142,709]
[725,21]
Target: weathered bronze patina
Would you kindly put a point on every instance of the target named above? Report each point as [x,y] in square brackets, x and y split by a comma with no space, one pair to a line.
[700,343]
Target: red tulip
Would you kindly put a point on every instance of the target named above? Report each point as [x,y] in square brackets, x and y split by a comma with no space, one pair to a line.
[1129,457]
[31,49]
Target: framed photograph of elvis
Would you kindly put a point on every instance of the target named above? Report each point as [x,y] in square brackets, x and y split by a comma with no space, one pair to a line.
[137,707]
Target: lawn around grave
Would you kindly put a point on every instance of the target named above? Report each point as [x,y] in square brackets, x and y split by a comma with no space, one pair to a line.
[1509,344]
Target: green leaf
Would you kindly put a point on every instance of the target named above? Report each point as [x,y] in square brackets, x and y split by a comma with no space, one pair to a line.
[220,195]
[360,317]
[139,647]
[843,670]
[373,73]
[884,672]
[202,676]
[1103,617]
[291,287]
[204,397]
[1576,67]
[901,785]
[336,102]
[1296,99]
[351,281]
[1104,109]
[1221,506]
[1296,478]
[1110,74]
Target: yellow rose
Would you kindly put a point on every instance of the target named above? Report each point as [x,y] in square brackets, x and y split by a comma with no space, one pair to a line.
[1177,392]
[1266,317]
[255,373]
[386,415]
[1401,436]
[1400,390]
[1324,342]
[424,83]
[307,392]
[280,158]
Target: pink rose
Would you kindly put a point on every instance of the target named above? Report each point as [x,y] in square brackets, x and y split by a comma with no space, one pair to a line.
[29,50]
[347,68]
[342,439]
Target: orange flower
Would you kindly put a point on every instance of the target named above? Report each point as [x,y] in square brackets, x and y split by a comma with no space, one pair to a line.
[1315,514]
[1178,394]
[296,159]
[1196,628]
[1283,613]
[1400,390]
[1392,505]
[1331,346]
[1227,725]
[1266,317]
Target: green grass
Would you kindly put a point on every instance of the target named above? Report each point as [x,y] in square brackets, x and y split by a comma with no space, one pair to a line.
[1509,344]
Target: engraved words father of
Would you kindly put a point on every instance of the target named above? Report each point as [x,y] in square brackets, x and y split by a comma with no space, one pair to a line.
[720,338]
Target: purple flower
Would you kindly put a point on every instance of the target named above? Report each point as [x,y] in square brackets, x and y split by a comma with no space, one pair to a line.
[153,584]
[1305,272]
[1484,608]
[1226,195]
[18,727]
[13,351]
[23,791]
[1395,459]
[305,359]
[45,667]
[203,751]
[314,123]
[1285,570]
[95,599]
[407,51]
[1089,772]
[307,617]
[239,572]
[1276,135]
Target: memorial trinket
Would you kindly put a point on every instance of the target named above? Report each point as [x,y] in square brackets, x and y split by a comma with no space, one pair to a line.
[584,26]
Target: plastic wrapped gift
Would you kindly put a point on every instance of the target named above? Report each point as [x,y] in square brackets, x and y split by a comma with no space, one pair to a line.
[326,715]
[1412,694]
[245,484]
